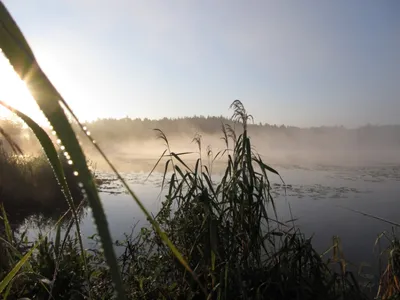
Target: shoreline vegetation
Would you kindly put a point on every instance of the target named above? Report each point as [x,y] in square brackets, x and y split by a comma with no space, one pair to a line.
[210,240]
[28,185]
[228,232]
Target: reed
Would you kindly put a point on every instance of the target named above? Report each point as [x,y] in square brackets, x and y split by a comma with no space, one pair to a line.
[214,238]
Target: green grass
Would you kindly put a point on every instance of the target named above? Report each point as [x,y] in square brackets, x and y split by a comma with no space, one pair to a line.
[212,239]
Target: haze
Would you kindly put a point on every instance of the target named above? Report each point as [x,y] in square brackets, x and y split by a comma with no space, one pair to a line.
[301,63]
[132,144]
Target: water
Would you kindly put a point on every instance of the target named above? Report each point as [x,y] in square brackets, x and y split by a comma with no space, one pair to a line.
[316,197]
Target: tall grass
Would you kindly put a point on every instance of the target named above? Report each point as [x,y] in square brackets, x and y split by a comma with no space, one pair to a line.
[213,238]
[226,228]
[17,50]
[43,269]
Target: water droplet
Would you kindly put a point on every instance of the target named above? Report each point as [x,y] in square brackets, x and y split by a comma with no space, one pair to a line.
[70,162]
[51,127]
[76,173]
[84,128]
[88,132]
[53,132]
[93,141]
[66,153]
[62,147]
[80,184]
[59,141]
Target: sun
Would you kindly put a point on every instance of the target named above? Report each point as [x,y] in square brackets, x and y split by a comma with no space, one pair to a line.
[15,93]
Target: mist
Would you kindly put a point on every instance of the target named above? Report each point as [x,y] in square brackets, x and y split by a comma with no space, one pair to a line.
[128,141]
[133,143]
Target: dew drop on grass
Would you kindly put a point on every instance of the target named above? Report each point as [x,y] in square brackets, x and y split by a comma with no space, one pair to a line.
[101,249]
[66,153]
[76,173]
[53,132]
[70,162]
[88,132]
[59,141]
[80,184]
[62,147]
[84,128]
[93,141]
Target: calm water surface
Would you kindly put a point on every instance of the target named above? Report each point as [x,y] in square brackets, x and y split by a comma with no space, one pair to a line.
[318,198]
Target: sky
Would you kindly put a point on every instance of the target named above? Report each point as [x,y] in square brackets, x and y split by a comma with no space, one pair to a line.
[301,63]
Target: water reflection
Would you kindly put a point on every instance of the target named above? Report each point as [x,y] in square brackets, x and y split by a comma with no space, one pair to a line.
[315,197]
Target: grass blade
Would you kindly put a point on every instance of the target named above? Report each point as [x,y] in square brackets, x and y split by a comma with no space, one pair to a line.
[11,275]
[57,240]
[16,49]
[6,225]
[14,146]
[18,52]
[176,156]
[54,160]
[4,283]
[155,166]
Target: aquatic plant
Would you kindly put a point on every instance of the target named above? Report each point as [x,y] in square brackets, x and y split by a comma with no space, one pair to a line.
[212,239]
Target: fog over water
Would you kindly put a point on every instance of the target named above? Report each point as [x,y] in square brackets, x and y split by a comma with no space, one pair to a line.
[333,146]
[125,140]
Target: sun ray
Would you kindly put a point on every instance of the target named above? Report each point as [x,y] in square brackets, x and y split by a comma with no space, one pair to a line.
[14,92]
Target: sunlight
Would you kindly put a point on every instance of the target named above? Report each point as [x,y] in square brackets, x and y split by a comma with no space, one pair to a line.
[14,92]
